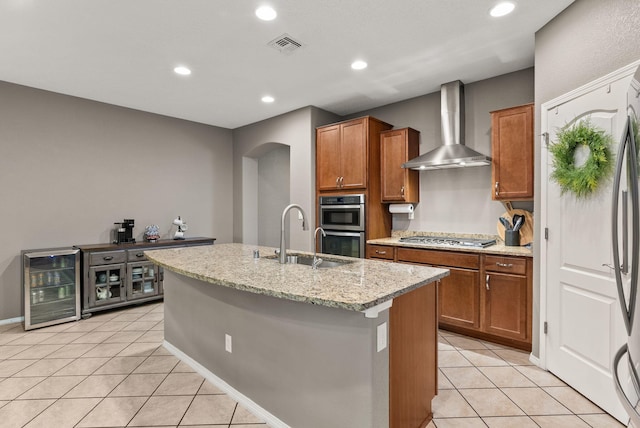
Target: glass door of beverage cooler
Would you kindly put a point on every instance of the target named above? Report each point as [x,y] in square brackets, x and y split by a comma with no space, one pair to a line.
[51,282]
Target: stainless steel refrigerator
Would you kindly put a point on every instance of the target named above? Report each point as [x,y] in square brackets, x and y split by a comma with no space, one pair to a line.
[626,254]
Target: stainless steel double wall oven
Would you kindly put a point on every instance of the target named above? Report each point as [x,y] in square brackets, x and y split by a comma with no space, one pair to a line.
[343,219]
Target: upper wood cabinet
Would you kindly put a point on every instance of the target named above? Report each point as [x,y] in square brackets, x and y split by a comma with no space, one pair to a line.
[396,147]
[343,153]
[512,153]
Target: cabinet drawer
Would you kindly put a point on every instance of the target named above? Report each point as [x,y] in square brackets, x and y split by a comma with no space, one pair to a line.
[505,264]
[136,255]
[439,258]
[379,252]
[107,257]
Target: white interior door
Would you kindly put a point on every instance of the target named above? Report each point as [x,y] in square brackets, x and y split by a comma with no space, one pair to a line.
[584,324]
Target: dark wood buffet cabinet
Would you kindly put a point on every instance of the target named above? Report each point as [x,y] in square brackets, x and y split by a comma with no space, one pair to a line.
[486,296]
[117,275]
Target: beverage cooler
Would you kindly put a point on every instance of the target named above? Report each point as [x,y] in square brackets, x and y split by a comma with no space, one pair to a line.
[51,283]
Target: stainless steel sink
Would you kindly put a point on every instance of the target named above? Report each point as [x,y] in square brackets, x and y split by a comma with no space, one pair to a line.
[308,261]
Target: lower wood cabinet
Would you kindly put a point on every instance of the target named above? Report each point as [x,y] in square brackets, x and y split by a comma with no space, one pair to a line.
[485,296]
[507,297]
[459,298]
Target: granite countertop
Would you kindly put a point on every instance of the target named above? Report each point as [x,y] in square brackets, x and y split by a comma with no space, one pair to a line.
[498,249]
[356,286]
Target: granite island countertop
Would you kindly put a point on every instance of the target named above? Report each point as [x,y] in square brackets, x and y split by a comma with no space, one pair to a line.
[356,286]
[498,249]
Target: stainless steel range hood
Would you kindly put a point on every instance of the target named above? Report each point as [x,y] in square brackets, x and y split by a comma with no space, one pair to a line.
[453,153]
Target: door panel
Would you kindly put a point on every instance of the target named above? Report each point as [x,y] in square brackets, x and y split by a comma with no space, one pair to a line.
[354,154]
[502,315]
[585,327]
[328,157]
[586,334]
[459,298]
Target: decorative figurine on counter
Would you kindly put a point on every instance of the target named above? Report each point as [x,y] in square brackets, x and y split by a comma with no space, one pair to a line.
[182,227]
[152,233]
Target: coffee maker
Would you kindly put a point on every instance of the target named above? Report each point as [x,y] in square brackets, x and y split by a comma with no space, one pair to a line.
[124,232]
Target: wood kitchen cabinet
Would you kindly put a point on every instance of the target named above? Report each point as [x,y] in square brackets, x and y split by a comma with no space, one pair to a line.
[397,146]
[459,293]
[506,297]
[486,296]
[512,153]
[343,153]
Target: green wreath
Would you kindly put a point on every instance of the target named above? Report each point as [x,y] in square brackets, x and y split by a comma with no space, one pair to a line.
[583,180]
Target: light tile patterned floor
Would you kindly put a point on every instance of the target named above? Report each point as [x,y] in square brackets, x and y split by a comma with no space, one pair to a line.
[482,384]
[111,371]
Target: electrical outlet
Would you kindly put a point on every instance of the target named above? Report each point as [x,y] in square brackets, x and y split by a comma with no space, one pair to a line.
[227,343]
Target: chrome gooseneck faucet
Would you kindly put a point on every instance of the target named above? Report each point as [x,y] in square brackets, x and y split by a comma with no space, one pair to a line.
[316,260]
[283,246]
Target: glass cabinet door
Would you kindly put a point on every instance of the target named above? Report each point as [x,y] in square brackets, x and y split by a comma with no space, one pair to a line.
[142,280]
[106,284]
[51,284]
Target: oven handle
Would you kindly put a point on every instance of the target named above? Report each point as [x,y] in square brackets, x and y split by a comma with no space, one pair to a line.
[334,233]
[324,207]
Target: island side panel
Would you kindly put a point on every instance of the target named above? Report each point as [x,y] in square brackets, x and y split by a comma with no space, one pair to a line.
[310,366]
[413,345]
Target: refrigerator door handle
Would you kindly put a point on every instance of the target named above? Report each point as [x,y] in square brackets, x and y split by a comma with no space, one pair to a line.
[635,225]
[624,268]
[626,403]
[627,146]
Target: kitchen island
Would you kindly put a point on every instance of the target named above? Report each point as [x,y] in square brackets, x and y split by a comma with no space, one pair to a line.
[348,346]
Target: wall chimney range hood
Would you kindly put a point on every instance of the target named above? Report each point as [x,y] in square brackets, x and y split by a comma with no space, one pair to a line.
[452,153]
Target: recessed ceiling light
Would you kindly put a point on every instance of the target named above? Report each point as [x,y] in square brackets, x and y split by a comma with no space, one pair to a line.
[182,70]
[358,65]
[502,9]
[268,99]
[266,13]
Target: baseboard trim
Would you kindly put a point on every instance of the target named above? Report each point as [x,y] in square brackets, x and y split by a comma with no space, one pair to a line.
[11,320]
[535,360]
[245,401]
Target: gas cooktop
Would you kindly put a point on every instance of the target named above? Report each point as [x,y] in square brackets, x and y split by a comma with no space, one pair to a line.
[443,241]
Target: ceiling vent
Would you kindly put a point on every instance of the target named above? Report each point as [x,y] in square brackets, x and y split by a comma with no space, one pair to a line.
[285,44]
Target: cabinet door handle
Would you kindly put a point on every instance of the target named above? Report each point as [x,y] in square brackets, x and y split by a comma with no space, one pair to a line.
[107,258]
[140,255]
[486,283]
[341,181]
[496,187]
[337,181]
[402,190]
[504,265]
[383,252]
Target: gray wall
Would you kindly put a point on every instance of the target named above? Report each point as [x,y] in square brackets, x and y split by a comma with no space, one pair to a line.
[296,130]
[273,193]
[70,168]
[457,200]
[589,39]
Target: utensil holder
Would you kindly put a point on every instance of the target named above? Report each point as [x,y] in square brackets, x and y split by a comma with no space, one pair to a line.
[512,238]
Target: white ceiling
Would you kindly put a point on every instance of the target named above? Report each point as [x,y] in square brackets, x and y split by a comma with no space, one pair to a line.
[123,51]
